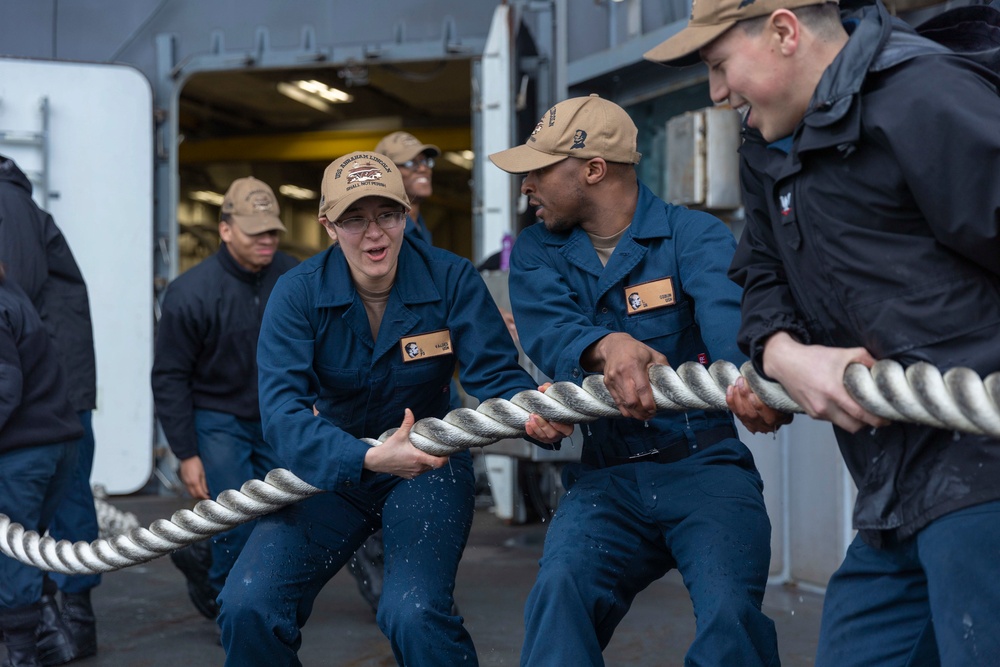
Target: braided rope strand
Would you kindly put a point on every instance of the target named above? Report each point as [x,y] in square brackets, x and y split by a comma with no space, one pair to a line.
[958,400]
[140,545]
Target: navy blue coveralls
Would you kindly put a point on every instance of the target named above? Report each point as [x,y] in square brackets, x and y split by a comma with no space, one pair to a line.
[316,348]
[697,504]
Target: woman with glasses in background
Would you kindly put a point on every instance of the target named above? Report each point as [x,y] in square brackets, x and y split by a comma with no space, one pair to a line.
[357,340]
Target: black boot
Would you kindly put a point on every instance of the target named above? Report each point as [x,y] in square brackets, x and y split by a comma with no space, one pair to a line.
[366,566]
[55,641]
[18,629]
[194,561]
[78,616]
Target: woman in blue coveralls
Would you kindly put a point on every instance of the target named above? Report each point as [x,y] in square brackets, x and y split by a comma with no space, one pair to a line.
[352,340]
[38,434]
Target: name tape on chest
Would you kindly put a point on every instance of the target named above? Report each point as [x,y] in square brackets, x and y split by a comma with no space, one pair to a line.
[650,295]
[425,345]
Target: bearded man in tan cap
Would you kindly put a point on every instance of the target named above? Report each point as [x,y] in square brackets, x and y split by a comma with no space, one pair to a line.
[614,281]
[367,333]
[860,245]
[205,372]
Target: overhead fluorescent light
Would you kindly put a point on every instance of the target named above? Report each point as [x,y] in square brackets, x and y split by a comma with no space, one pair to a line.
[334,95]
[315,94]
[299,95]
[295,192]
[462,159]
[207,197]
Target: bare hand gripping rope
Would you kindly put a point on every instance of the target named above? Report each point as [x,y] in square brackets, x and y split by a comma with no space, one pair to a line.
[959,400]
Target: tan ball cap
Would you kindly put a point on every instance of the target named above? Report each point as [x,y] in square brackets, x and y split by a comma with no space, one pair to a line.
[709,19]
[252,206]
[402,147]
[356,175]
[583,127]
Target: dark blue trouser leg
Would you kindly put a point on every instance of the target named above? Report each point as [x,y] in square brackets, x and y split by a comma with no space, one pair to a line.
[33,481]
[291,555]
[76,518]
[270,591]
[232,451]
[960,553]
[875,611]
[931,600]
[618,529]
[426,524]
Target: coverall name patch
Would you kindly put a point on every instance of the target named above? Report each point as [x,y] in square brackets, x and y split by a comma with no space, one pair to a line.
[650,295]
[425,345]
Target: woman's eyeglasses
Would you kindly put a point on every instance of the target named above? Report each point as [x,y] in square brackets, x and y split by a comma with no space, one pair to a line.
[358,224]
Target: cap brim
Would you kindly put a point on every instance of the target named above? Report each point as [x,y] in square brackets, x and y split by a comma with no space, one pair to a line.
[522,159]
[681,50]
[258,224]
[433,150]
[337,210]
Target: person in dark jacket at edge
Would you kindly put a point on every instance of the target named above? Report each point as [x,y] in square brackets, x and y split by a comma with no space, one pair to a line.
[39,430]
[204,374]
[40,261]
[871,183]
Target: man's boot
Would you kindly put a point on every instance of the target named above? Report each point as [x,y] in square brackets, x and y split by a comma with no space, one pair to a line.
[55,641]
[78,616]
[18,629]
[366,566]
[194,561]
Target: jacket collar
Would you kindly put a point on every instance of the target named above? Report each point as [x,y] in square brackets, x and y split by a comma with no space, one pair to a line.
[843,79]
[650,221]
[232,267]
[877,42]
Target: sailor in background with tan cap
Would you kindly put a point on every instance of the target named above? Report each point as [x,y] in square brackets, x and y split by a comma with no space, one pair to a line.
[415,161]
[871,181]
[205,372]
[368,332]
[613,281]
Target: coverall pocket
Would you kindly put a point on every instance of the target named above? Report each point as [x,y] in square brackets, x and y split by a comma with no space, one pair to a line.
[342,395]
[661,324]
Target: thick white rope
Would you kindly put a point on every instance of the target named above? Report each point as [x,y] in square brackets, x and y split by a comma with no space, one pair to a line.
[111,521]
[959,400]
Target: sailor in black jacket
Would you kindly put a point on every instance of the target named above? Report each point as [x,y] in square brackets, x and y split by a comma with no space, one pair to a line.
[39,259]
[38,433]
[204,374]
[871,178]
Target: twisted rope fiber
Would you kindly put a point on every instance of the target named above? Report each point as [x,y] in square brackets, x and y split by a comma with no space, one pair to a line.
[112,521]
[959,400]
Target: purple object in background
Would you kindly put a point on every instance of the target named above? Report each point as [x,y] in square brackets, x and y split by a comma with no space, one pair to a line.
[508,243]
